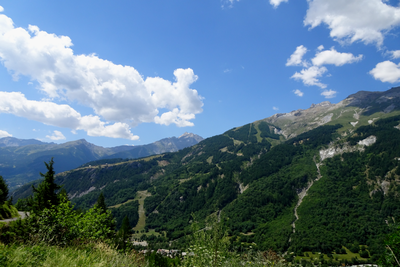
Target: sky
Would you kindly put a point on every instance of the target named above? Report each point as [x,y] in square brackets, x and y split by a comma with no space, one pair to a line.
[134,72]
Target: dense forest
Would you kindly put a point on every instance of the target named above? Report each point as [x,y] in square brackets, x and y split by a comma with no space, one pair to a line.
[254,186]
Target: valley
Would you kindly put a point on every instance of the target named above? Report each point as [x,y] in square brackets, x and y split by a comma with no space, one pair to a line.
[310,181]
[22,160]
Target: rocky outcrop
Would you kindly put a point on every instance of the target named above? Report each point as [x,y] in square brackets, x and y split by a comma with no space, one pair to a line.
[361,104]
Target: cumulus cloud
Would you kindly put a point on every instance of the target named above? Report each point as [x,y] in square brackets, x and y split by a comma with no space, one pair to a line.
[315,69]
[61,116]
[57,135]
[4,134]
[296,59]
[310,76]
[355,20]
[386,71]
[298,92]
[275,108]
[329,93]
[335,58]
[116,93]
[395,54]
[276,3]
[1,9]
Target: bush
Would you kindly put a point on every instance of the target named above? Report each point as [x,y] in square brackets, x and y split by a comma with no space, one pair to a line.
[60,225]
[354,248]
[391,256]
[364,254]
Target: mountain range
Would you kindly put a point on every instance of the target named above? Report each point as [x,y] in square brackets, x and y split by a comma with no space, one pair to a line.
[22,160]
[308,180]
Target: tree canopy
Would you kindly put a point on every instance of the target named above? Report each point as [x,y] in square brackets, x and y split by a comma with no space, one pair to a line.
[45,195]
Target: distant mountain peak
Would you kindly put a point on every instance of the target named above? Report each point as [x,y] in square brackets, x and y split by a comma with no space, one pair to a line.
[15,142]
[362,103]
[198,138]
[322,104]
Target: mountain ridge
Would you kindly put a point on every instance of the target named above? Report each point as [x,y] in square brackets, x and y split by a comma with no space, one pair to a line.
[309,180]
[22,160]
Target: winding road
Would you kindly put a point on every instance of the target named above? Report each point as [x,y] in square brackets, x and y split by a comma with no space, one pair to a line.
[22,215]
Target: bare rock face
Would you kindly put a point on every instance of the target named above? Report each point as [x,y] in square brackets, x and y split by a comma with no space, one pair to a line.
[332,151]
[360,104]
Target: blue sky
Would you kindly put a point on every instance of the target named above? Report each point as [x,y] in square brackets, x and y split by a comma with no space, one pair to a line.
[133,72]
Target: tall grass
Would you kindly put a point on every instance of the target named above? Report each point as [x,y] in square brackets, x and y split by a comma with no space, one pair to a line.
[42,255]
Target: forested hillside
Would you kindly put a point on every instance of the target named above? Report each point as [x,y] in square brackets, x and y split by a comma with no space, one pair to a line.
[22,160]
[330,187]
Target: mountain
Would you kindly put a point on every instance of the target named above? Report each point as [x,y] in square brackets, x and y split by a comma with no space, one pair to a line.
[13,142]
[359,108]
[308,180]
[171,144]
[22,160]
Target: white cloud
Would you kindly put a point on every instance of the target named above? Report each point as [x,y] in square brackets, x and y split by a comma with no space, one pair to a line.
[228,3]
[335,58]
[296,59]
[1,9]
[276,3]
[61,116]
[315,69]
[275,108]
[115,92]
[57,135]
[4,134]
[386,71]
[329,93]
[298,92]
[310,76]
[395,54]
[354,20]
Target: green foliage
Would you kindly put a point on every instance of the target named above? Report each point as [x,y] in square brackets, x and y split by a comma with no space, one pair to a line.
[208,246]
[7,211]
[45,195]
[155,259]
[129,210]
[391,256]
[266,132]
[124,234]
[257,187]
[101,203]
[97,254]
[61,225]
[3,190]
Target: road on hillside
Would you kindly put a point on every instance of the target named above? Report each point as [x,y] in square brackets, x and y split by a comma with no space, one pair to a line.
[22,215]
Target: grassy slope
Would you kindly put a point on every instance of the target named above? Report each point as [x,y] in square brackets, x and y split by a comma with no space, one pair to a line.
[141,195]
[42,255]
[8,211]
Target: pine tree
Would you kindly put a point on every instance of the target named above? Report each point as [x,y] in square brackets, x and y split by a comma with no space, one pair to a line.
[101,207]
[3,190]
[101,203]
[124,233]
[126,228]
[45,195]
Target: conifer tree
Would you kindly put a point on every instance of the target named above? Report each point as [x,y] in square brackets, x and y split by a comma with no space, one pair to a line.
[101,203]
[124,233]
[45,195]
[3,190]
[101,207]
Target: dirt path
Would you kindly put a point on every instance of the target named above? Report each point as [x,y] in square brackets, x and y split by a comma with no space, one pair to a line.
[141,195]
[22,215]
